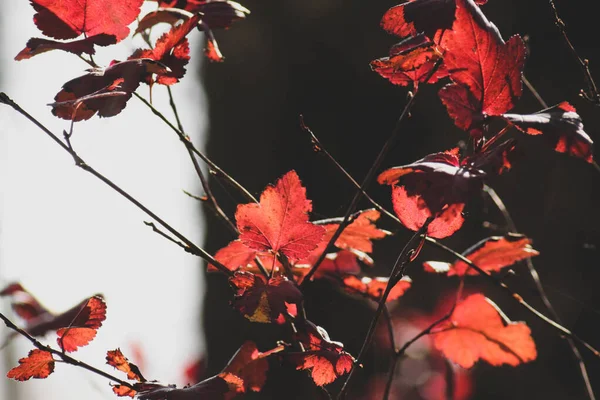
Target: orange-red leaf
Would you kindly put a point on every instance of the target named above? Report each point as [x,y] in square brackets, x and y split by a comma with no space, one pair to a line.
[477,331]
[358,234]
[38,364]
[280,222]
[67,19]
[83,327]
[123,391]
[373,288]
[265,302]
[561,126]
[116,359]
[486,70]
[491,254]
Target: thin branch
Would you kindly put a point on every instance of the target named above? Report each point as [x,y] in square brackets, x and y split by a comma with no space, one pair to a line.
[515,296]
[540,289]
[319,147]
[193,248]
[405,257]
[592,92]
[215,169]
[534,92]
[63,356]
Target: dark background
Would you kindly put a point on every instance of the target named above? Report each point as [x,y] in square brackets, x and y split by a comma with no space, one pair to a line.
[311,57]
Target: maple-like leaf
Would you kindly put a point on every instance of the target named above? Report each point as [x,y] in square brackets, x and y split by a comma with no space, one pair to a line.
[38,364]
[171,49]
[116,359]
[486,70]
[436,187]
[37,46]
[325,359]
[280,222]
[374,288]
[84,325]
[561,126]
[67,19]
[83,97]
[476,331]
[491,254]
[265,302]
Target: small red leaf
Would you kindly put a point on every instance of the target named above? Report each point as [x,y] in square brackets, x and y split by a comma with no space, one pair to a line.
[280,222]
[261,301]
[116,359]
[491,254]
[123,391]
[374,288]
[37,46]
[561,126]
[38,364]
[358,234]
[476,331]
[417,16]
[83,327]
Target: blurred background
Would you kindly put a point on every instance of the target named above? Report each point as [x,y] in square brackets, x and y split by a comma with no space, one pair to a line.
[312,58]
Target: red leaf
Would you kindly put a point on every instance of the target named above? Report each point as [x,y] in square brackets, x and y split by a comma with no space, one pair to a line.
[373,288]
[476,331]
[265,302]
[410,62]
[84,325]
[215,13]
[116,359]
[171,49]
[478,60]
[37,46]
[212,51]
[561,126]
[25,305]
[280,222]
[326,359]
[412,17]
[38,364]
[67,19]
[491,254]
[83,97]
[123,391]
[358,234]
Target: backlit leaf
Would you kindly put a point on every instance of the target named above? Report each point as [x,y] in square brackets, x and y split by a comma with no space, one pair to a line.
[82,329]
[38,364]
[477,331]
[374,288]
[116,359]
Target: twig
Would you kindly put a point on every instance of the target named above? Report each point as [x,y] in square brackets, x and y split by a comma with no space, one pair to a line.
[405,257]
[215,169]
[540,289]
[515,296]
[63,356]
[319,147]
[193,248]
[534,92]
[592,93]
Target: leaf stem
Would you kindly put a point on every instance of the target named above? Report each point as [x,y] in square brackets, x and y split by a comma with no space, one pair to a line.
[79,162]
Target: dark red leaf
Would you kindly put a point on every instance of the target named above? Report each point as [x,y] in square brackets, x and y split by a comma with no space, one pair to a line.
[476,331]
[491,254]
[373,288]
[38,364]
[280,222]
[37,46]
[265,302]
[412,17]
[24,304]
[82,329]
[67,19]
[561,126]
[486,70]
[215,388]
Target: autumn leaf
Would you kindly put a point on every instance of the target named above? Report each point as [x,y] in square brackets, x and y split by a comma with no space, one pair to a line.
[491,254]
[68,19]
[373,288]
[413,17]
[37,46]
[325,359]
[477,331]
[116,359]
[171,49]
[123,391]
[486,71]
[84,325]
[410,62]
[26,306]
[83,97]
[38,364]
[561,126]
[280,222]
[265,302]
